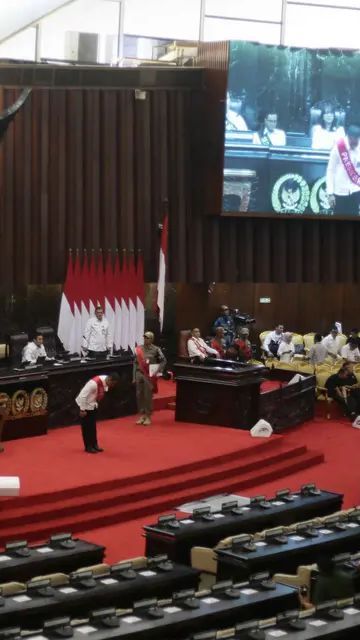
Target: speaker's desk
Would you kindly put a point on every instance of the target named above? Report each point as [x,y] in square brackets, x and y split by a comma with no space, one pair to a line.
[39,397]
[220,392]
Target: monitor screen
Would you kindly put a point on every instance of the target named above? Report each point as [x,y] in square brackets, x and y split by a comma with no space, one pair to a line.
[292,132]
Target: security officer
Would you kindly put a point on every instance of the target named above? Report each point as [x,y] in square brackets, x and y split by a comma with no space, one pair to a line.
[149,364]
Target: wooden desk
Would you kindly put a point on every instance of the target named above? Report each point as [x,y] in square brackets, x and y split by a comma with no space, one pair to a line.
[38,398]
[220,392]
[177,543]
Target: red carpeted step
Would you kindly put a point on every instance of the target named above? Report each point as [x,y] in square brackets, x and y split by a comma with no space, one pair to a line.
[138,491]
[154,504]
[35,500]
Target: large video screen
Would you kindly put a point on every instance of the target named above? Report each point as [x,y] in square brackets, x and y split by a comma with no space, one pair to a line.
[292,132]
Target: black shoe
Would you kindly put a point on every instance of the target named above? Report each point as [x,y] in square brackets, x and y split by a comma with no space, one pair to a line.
[90,450]
[98,449]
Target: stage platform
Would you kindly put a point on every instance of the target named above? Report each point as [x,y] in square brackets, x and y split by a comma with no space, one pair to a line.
[143,471]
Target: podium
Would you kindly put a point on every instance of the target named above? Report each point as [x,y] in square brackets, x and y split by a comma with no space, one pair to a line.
[218,392]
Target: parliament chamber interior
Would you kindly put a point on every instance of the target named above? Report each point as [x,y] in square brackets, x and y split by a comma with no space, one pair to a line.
[179,333]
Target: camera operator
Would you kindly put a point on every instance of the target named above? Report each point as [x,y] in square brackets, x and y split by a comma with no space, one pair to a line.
[226,321]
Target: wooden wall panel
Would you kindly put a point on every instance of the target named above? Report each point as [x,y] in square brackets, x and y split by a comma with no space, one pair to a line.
[302,307]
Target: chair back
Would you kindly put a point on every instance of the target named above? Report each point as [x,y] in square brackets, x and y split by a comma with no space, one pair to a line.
[184,336]
[308,340]
[16,344]
[298,339]
[343,339]
[263,335]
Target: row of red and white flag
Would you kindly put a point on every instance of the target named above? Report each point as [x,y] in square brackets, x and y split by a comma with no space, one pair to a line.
[115,284]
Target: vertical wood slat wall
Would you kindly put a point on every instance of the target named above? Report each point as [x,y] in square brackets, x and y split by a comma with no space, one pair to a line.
[91,168]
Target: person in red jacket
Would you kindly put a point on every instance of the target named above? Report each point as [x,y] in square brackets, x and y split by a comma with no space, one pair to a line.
[243,344]
[218,342]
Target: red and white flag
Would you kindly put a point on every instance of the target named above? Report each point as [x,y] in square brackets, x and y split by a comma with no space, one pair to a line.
[85,293]
[66,315]
[76,332]
[110,296]
[140,299]
[162,271]
[117,304]
[132,284]
[125,313]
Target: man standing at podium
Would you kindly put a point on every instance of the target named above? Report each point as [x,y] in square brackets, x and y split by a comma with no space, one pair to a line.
[88,401]
[97,341]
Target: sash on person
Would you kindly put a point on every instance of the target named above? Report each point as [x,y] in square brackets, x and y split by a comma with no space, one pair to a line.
[348,163]
[145,368]
[100,388]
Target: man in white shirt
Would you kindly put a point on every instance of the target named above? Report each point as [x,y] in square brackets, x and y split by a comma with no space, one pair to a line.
[350,351]
[197,348]
[332,344]
[269,135]
[97,341]
[272,341]
[343,174]
[286,348]
[34,350]
[87,400]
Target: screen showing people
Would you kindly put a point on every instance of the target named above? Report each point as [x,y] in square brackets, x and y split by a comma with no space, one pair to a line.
[292,132]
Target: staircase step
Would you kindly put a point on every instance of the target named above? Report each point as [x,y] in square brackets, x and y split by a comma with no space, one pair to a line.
[90,489]
[101,500]
[37,531]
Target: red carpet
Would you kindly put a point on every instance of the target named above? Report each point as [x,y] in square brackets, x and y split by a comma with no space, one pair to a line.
[340,472]
[142,471]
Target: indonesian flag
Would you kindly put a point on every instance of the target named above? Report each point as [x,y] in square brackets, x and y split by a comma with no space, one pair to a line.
[76,333]
[162,271]
[117,303]
[140,297]
[100,282]
[132,288]
[85,293]
[92,284]
[125,313]
[66,314]
[109,296]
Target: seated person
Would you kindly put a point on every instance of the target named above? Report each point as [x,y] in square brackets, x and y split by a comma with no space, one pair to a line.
[354,335]
[268,134]
[350,351]
[286,348]
[318,352]
[198,350]
[218,342]
[343,388]
[333,582]
[243,344]
[234,121]
[326,133]
[34,350]
[225,321]
[332,344]
[272,341]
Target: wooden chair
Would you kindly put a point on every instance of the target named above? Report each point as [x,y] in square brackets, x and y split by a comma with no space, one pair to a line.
[308,341]
[184,336]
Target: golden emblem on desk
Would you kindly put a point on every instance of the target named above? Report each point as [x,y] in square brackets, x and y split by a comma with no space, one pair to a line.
[5,403]
[38,400]
[20,403]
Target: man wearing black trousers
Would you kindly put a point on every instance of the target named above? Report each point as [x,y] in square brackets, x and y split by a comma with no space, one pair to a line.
[87,400]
